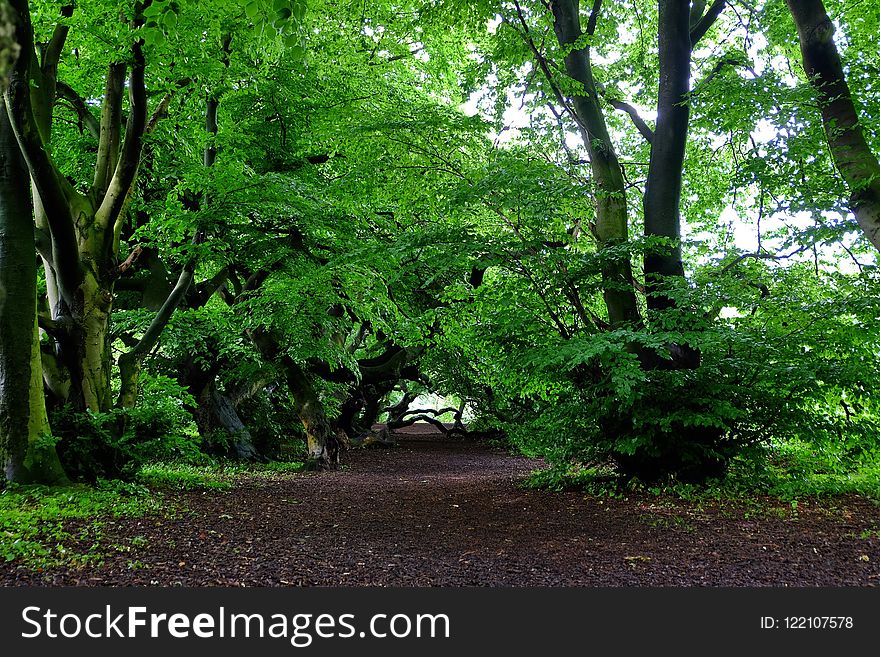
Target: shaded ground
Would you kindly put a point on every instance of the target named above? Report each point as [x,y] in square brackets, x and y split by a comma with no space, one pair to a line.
[434,512]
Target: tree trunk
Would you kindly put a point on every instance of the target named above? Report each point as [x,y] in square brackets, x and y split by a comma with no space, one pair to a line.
[323,442]
[23,419]
[216,412]
[662,198]
[611,215]
[91,360]
[663,187]
[857,164]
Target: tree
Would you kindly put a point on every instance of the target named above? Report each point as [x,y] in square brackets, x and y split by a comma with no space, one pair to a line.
[853,157]
[79,232]
[25,446]
[612,225]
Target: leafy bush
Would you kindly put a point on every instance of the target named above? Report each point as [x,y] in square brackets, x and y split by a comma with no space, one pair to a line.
[274,425]
[790,360]
[115,444]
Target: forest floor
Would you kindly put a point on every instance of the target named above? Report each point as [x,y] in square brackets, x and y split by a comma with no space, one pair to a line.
[438,512]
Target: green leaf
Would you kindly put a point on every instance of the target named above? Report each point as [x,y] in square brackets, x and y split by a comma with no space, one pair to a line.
[153,36]
[169,20]
[153,11]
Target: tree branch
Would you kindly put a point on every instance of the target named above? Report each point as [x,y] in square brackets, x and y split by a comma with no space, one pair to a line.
[548,74]
[594,17]
[129,160]
[761,256]
[399,424]
[110,128]
[130,260]
[160,321]
[430,411]
[87,119]
[206,289]
[129,362]
[702,26]
[53,189]
[637,120]
[162,108]
[52,53]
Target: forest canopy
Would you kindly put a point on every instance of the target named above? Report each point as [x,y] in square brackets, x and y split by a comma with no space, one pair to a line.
[633,238]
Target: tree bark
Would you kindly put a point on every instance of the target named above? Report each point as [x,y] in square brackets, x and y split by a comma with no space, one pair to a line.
[23,418]
[857,164]
[322,441]
[612,228]
[663,188]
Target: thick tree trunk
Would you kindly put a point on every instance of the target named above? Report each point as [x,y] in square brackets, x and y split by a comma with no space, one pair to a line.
[857,164]
[17,304]
[663,187]
[216,412]
[612,227]
[23,419]
[323,442]
[349,411]
[361,409]
[662,198]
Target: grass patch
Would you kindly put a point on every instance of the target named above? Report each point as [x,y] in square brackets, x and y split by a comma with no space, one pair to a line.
[600,481]
[217,476]
[44,527]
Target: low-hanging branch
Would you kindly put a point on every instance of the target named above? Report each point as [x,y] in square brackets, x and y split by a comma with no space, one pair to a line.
[432,411]
[399,424]
[456,428]
[78,104]
[130,362]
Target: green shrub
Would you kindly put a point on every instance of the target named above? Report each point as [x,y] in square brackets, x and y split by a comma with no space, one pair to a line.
[115,444]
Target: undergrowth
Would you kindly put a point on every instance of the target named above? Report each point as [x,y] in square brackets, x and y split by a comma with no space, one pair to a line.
[219,475]
[789,471]
[44,527]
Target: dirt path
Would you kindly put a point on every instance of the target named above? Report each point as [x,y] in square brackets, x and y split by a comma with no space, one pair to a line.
[433,512]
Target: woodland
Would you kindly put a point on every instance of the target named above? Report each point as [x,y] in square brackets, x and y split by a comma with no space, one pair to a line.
[633,243]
